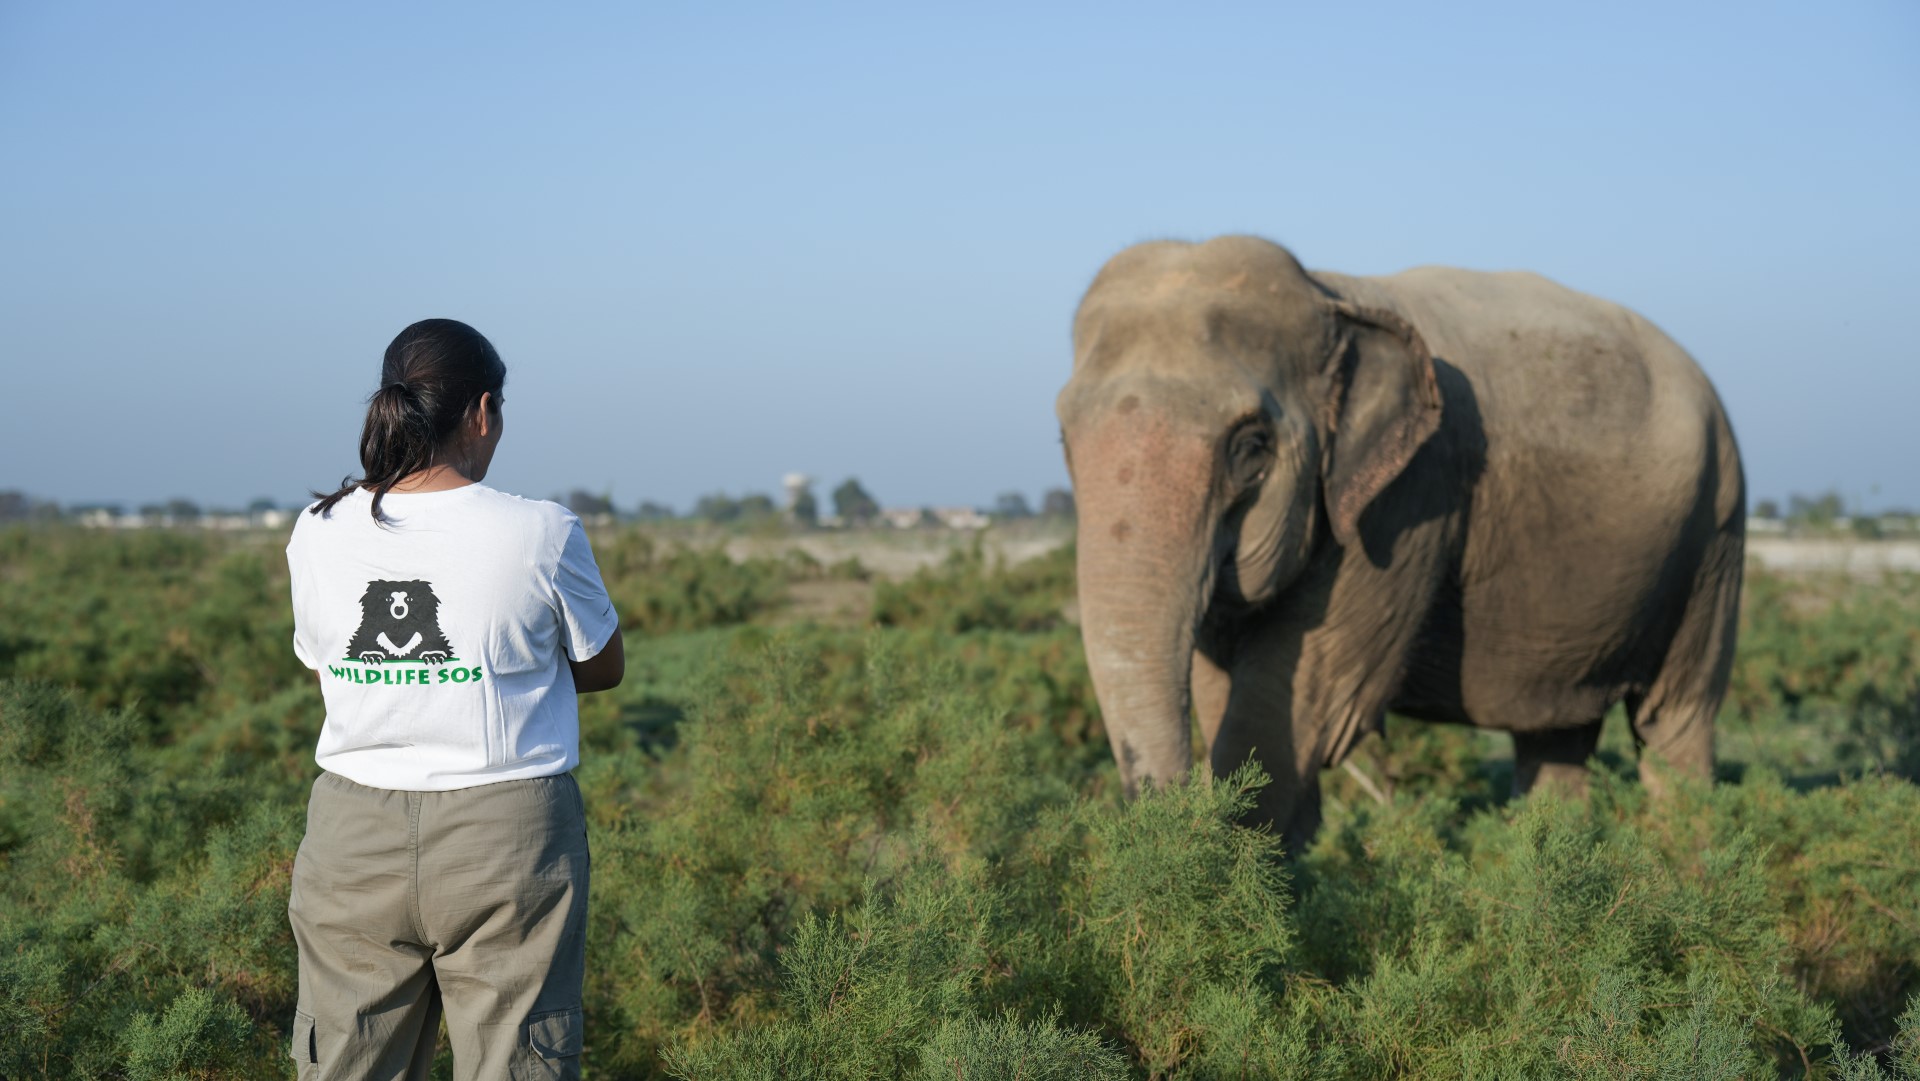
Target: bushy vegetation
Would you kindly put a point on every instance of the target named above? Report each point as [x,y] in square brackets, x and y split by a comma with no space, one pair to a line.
[170,620]
[968,592]
[898,851]
[660,589]
[1839,663]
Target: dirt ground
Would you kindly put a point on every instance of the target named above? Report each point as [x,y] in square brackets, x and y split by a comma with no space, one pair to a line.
[1857,558]
[894,556]
[898,554]
[833,603]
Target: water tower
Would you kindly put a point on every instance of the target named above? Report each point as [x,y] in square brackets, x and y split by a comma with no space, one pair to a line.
[799,488]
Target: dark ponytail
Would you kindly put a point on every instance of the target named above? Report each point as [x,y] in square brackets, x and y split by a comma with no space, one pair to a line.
[430,382]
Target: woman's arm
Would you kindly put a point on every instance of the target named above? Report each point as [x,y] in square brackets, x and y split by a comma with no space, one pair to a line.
[603,670]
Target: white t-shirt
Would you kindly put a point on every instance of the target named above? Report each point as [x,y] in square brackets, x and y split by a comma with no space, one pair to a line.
[441,636]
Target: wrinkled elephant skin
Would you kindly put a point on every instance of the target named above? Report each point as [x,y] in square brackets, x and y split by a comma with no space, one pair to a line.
[1307,498]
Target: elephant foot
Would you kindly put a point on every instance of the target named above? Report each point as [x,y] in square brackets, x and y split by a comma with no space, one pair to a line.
[1564,778]
[1662,777]
[1555,759]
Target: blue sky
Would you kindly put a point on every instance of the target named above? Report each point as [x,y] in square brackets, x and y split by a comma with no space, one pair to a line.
[719,244]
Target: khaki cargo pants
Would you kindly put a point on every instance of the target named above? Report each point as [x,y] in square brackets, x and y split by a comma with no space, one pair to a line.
[407,903]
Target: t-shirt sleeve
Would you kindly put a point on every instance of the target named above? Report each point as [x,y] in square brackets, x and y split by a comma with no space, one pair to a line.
[304,647]
[586,612]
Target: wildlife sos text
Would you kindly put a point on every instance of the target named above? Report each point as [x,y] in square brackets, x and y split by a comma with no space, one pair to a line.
[392,676]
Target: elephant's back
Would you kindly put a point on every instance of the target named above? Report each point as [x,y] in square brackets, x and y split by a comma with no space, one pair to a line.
[1556,372]
[1517,335]
[1606,467]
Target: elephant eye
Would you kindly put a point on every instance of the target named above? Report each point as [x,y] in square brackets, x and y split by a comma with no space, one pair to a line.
[1249,452]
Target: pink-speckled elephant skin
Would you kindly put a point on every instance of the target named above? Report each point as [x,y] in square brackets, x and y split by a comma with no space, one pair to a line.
[1307,499]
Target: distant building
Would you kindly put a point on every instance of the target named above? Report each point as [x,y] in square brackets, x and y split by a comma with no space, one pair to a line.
[961,518]
[907,517]
[801,507]
[935,518]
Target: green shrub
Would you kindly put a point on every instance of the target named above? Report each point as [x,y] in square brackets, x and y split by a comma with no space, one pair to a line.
[1545,939]
[1828,659]
[967,593]
[680,588]
[899,853]
[200,1037]
[799,777]
[1009,1049]
[159,622]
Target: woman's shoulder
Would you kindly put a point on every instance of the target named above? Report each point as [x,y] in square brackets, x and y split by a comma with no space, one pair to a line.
[474,510]
[303,522]
[550,521]
[549,529]
[543,511]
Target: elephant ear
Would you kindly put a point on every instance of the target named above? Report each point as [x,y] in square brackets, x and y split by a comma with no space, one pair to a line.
[1385,404]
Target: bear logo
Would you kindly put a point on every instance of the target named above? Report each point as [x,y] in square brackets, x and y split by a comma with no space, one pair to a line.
[399,621]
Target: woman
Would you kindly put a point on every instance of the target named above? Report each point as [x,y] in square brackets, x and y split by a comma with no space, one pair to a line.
[445,862]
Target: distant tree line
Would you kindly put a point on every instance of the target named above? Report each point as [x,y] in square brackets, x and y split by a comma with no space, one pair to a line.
[1828,512]
[16,506]
[853,506]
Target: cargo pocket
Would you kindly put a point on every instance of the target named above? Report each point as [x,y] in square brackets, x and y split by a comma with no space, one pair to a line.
[304,1045]
[552,1051]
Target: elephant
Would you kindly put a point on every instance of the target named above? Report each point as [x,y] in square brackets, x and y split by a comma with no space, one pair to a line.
[1306,499]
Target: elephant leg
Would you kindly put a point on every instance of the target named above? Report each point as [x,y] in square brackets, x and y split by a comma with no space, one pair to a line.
[1673,720]
[1211,687]
[1554,759]
[1290,803]
[1257,724]
[1685,747]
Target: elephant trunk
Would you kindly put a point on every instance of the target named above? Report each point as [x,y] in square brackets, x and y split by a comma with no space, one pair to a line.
[1144,572]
